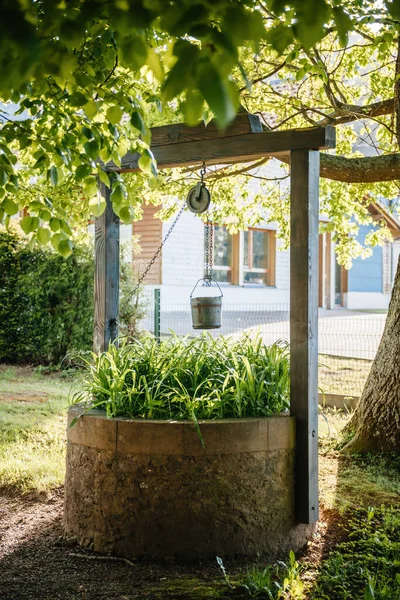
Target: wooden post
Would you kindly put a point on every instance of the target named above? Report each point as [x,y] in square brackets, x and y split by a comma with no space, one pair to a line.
[304,328]
[106,287]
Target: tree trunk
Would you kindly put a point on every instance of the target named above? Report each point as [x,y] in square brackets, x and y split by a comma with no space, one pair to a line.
[376,420]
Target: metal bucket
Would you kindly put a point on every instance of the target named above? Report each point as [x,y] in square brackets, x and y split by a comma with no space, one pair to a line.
[206,310]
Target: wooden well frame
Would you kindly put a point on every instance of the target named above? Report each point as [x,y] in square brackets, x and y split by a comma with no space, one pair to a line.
[178,146]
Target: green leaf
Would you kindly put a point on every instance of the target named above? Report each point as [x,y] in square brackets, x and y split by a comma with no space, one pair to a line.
[369,593]
[119,193]
[77,99]
[155,64]
[92,149]
[97,205]
[126,214]
[312,16]
[54,224]
[10,207]
[137,122]
[103,176]
[90,186]
[181,74]
[145,163]
[393,7]
[88,133]
[114,114]
[83,171]
[35,205]
[90,109]
[29,224]
[343,24]
[40,163]
[53,175]
[280,37]
[65,248]
[218,95]
[43,235]
[45,215]
[133,52]
[3,177]
[193,107]
[65,227]
[55,240]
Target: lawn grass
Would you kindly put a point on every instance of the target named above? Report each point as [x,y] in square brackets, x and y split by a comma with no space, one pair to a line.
[32,429]
[342,375]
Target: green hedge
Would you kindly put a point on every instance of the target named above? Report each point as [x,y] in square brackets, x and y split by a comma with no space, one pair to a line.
[46,301]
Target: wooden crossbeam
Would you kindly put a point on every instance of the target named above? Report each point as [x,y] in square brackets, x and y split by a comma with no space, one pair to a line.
[179,133]
[179,146]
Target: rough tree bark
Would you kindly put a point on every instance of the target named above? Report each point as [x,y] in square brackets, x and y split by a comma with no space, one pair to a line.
[376,420]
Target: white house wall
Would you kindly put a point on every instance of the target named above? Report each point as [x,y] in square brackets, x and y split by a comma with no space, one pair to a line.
[183,265]
[366,300]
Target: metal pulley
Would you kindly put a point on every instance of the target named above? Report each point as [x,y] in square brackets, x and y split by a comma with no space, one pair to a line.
[199,198]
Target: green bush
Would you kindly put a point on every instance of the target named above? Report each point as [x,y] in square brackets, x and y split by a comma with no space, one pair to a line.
[46,301]
[202,378]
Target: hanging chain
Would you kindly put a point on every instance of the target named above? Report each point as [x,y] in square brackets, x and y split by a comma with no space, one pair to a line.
[203,172]
[209,239]
[209,251]
[157,252]
[209,243]
[211,247]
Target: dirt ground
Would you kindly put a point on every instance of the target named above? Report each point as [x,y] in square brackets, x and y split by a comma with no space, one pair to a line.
[37,564]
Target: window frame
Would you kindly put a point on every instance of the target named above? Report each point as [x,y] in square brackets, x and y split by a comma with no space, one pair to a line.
[226,269]
[237,269]
[270,270]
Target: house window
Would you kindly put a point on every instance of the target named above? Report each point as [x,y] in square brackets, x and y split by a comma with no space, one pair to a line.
[244,259]
[223,256]
[259,257]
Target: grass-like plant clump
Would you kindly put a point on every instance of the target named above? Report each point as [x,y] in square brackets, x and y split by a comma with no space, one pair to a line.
[202,378]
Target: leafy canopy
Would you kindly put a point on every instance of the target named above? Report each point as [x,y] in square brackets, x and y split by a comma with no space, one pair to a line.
[83,80]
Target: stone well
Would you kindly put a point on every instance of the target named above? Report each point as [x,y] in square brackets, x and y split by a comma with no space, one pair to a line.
[140,488]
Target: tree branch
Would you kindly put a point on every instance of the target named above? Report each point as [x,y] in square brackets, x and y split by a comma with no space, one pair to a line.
[362,169]
[261,78]
[347,113]
[366,169]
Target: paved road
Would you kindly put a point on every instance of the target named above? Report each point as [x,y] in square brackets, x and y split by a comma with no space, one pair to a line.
[341,332]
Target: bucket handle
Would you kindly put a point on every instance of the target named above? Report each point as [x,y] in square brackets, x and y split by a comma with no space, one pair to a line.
[206,279]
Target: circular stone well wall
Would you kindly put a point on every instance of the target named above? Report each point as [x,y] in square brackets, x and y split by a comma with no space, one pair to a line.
[139,488]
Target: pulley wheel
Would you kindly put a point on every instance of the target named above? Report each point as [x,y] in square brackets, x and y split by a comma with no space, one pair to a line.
[198,199]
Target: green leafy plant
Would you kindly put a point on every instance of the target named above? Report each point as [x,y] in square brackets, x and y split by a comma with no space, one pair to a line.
[281,580]
[270,582]
[202,378]
[367,564]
